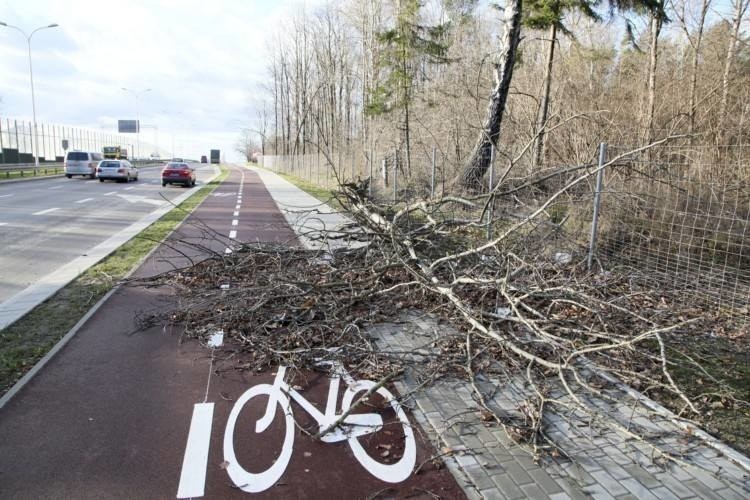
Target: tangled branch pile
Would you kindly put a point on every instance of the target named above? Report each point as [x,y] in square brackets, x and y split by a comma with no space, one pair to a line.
[553,323]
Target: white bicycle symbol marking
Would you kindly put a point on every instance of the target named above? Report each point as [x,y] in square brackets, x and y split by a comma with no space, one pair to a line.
[353,426]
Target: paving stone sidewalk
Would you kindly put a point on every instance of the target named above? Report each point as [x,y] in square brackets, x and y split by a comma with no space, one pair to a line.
[601,463]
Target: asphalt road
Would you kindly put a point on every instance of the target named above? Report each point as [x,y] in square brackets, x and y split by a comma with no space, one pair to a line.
[45,224]
[132,410]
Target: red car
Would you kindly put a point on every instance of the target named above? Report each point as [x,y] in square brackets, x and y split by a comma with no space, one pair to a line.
[178,173]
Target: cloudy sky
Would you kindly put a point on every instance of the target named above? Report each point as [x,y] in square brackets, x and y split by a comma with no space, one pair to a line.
[203,61]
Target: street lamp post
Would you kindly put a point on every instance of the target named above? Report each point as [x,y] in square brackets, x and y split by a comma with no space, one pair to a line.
[35,145]
[137,117]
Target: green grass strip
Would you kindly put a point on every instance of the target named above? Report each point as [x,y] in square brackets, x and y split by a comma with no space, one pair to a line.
[27,340]
[30,173]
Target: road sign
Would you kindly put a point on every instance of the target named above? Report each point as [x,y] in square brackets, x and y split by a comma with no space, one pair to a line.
[65,144]
[128,126]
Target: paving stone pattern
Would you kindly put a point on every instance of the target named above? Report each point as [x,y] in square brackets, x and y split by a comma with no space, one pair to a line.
[601,462]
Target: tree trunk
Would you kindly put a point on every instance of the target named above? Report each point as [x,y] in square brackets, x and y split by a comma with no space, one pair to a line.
[479,161]
[739,11]
[543,109]
[276,113]
[694,74]
[648,122]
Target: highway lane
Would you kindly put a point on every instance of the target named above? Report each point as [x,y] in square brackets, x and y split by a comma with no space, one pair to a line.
[45,224]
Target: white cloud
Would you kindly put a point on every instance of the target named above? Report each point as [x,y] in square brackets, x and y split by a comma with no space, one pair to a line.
[201,59]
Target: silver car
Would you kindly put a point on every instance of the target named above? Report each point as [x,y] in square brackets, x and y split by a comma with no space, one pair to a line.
[116,170]
[81,163]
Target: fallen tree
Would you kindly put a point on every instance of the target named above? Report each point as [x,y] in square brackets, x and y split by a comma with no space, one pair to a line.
[564,330]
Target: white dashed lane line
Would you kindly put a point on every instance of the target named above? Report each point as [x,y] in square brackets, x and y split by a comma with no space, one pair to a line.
[235,222]
[55,187]
[43,212]
[84,200]
[110,193]
[3,223]
[128,189]
[5,195]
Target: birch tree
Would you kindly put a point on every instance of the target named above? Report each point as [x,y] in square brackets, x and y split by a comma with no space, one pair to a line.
[489,134]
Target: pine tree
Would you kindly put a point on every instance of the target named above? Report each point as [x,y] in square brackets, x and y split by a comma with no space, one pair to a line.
[403,49]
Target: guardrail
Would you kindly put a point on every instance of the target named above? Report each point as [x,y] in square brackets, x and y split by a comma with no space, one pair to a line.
[29,170]
[14,170]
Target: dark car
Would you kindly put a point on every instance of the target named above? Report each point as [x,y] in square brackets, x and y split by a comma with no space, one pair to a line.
[204,159]
[178,173]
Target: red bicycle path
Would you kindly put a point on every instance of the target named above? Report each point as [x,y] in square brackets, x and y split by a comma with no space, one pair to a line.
[109,416]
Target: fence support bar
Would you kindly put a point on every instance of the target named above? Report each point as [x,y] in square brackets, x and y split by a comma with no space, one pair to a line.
[490,188]
[597,201]
[432,180]
[369,184]
[395,168]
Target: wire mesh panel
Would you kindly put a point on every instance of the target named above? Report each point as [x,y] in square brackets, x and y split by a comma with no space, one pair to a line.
[17,141]
[680,216]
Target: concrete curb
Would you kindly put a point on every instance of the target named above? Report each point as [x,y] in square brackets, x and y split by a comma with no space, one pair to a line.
[55,349]
[27,179]
[306,215]
[28,376]
[686,425]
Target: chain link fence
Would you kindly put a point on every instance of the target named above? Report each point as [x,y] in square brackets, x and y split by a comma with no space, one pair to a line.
[679,216]
[676,217]
[17,141]
[392,177]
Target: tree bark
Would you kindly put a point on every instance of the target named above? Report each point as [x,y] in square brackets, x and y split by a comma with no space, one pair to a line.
[740,7]
[648,122]
[489,136]
[694,74]
[544,107]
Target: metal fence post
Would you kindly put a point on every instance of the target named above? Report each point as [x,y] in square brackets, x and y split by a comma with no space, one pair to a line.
[432,179]
[597,201]
[369,184]
[1,142]
[395,169]
[44,140]
[491,186]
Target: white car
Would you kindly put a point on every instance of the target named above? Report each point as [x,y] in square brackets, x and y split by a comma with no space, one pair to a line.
[116,170]
[81,163]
